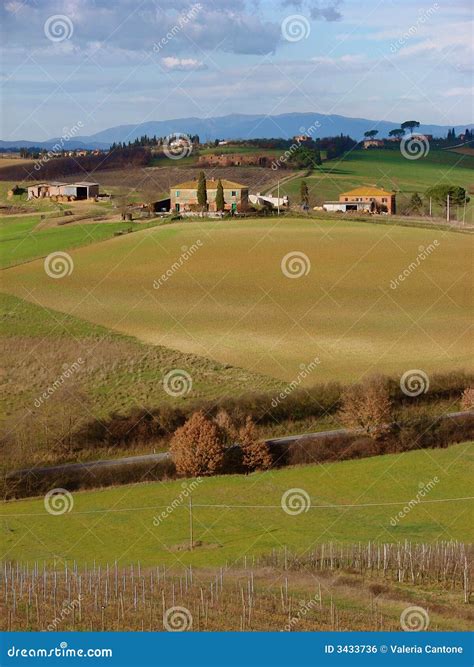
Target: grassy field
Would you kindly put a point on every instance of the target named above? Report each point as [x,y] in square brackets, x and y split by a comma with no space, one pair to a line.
[231,301]
[118,374]
[23,238]
[390,170]
[117,524]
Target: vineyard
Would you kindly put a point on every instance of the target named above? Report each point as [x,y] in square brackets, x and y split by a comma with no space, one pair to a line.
[370,586]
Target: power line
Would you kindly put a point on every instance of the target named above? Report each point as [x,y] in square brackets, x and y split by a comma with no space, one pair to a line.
[225,506]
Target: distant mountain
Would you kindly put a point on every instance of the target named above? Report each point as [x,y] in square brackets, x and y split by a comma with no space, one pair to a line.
[241,126]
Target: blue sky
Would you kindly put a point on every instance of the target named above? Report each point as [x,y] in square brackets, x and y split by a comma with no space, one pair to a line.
[105,63]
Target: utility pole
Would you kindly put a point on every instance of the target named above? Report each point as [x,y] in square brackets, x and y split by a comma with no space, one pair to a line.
[430,207]
[447,208]
[278,196]
[191,538]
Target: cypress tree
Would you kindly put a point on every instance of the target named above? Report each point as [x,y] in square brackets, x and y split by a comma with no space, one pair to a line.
[202,191]
[220,204]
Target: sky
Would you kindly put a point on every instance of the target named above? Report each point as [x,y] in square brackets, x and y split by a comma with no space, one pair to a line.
[102,63]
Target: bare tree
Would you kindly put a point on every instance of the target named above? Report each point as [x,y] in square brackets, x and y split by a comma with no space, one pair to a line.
[256,454]
[367,407]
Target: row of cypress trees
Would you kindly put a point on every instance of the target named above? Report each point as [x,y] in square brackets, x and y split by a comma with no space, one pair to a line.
[202,193]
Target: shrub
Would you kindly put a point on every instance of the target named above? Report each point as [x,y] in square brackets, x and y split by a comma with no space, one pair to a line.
[256,453]
[467,399]
[367,407]
[227,425]
[197,448]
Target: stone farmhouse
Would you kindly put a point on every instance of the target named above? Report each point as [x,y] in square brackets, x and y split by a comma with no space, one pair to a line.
[184,196]
[364,199]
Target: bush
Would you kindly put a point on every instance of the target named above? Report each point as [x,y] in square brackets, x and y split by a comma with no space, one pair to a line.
[467,399]
[367,408]
[256,453]
[197,448]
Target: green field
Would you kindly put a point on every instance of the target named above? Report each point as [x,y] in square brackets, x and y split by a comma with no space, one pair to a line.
[390,170]
[117,523]
[22,240]
[231,302]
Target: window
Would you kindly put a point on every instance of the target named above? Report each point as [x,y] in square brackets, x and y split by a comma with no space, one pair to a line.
[384,199]
[234,193]
[177,193]
[346,199]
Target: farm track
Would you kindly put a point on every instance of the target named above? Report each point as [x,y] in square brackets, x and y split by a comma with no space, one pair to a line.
[164,456]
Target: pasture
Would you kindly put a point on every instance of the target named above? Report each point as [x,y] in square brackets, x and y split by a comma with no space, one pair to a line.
[390,170]
[26,237]
[239,516]
[231,301]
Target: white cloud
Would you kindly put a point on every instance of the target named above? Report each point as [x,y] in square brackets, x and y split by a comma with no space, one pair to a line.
[183,64]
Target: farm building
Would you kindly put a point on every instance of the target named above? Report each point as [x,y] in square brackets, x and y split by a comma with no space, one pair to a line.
[373,143]
[364,199]
[184,196]
[80,190]
[235,160]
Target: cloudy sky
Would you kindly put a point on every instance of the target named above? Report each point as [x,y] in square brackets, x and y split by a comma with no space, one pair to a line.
[104,63]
